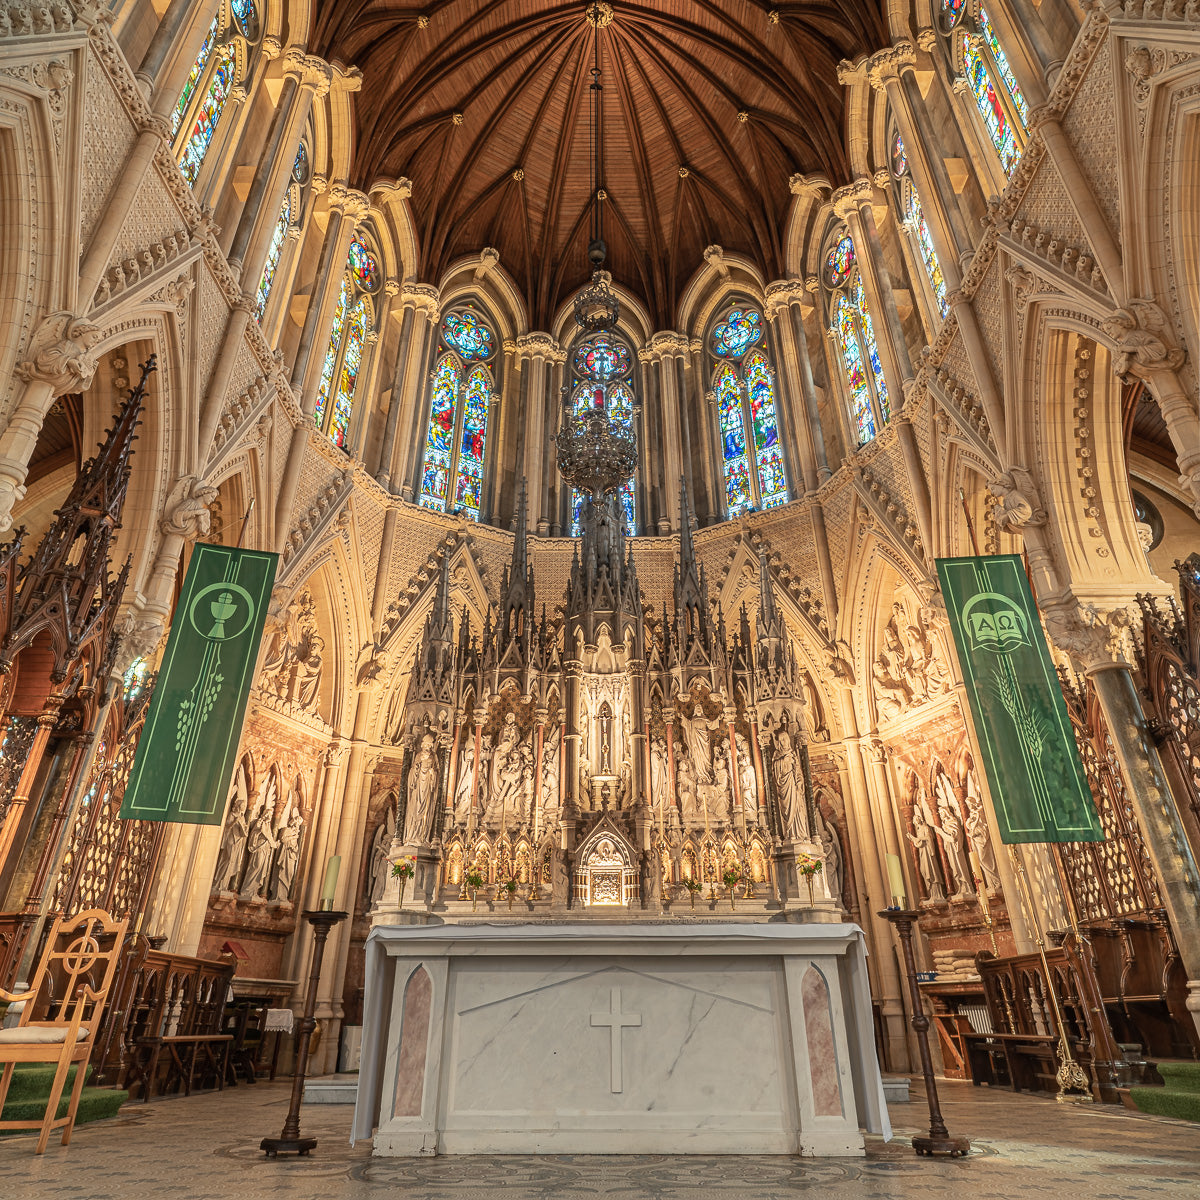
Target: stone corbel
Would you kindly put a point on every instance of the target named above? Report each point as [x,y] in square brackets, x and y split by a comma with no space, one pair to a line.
[489,260]
[1137,332]
[187,510]
[715,257]
[1020,505]
[61,354]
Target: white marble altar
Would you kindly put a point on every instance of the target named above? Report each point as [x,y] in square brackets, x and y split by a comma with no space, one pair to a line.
[618,1039]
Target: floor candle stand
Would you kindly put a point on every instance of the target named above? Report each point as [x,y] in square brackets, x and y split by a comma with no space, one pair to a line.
[290,1141]
[940,1140]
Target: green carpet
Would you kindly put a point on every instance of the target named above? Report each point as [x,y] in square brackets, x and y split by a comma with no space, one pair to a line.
[30,1089]
[1179,1098]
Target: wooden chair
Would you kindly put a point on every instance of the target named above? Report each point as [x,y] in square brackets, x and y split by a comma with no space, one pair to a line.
[71,987]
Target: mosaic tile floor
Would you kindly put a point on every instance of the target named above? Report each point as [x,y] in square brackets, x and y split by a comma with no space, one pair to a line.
[206,1148]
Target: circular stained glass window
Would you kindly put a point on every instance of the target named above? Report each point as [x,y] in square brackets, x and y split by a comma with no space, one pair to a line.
[466,333]
[602,358]
[737,333]
[839,262]
[364,267]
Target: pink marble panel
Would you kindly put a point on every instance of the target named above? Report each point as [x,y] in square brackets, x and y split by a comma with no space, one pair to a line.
[414,1044]
[822,1053]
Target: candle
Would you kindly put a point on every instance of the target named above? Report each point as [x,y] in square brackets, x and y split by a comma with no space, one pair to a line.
[331,878]
[896,880]
[976,869]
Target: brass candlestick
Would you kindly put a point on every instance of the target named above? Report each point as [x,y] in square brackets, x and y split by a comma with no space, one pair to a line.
[290,1141]
[940,1140]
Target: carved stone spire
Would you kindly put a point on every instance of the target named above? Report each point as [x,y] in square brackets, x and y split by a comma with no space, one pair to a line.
[65,590]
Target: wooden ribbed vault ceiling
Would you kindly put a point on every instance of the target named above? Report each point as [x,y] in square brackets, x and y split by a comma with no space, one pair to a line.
[710,107]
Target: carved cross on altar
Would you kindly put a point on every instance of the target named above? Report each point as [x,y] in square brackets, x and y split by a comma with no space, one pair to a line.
[616,1020]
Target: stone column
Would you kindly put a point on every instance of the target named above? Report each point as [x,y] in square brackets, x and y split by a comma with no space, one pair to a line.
[662,350]
[61,359]
[786,300]
[165,36]
[853,205]
[415,391]
[538,349]
[707,435]
[387,448]
[214,398]
[786,424]
[1093,646]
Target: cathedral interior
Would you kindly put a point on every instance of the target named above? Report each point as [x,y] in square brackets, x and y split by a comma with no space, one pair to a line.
[839,288]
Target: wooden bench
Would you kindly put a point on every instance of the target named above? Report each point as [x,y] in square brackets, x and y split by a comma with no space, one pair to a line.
[185,1053]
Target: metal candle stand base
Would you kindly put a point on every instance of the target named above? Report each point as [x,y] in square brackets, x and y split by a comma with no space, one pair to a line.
[290,1141]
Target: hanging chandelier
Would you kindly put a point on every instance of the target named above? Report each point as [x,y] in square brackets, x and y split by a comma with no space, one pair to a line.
[597,453]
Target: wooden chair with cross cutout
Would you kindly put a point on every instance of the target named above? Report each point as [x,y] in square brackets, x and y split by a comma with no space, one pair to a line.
[62,1012]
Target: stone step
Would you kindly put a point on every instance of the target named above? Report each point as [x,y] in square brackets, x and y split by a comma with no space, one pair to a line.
[895,1089]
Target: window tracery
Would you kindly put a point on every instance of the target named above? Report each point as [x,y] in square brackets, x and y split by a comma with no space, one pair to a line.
[221,65]
[912,217]
[987,75]
[853,335]
[289,220]
[743,383]
[463,391]
[353,324]
[601,367]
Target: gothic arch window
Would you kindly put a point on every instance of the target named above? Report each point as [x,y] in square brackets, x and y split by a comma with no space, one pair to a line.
[744,384]
[353,327]
[912,218]
[984,72]
[221,66]
[288,222]
[600,369]
[853,337]
[463,391]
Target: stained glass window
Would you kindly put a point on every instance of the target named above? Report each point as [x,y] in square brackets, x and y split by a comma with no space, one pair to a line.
[193,78]
[899,156]
[274,250]
[465,333]
[839,262]
[854,335]
[207,115]
[219,65]
[353,319]
[952,10]
[456,439]
[737,333]
[751,456]
[331,353]
[933,268]
[999,99]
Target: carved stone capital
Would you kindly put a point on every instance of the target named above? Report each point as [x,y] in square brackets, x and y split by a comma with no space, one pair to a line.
[424,297]
[848,200]
[536,345]
[1090,636]
[352,203]
[782,293]
[61,354]
[884,66]
[668,344]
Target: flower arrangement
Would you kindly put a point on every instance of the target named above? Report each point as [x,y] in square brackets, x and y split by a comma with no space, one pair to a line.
[807,867]
[509,886]
[474,881]
[731,877]
[693,886]
[404,869]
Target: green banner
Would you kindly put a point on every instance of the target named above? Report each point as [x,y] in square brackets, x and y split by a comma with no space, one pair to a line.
[1039,789]
[186,754]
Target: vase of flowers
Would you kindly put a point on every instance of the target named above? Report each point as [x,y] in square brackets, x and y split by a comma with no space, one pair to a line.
[509,886]
[807,867]
[404,869]
[474,882]
[731,878]
[693,886]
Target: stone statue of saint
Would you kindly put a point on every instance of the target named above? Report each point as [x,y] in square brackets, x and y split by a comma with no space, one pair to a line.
[559,877]
[233,839]
[926,848]
[288,834]
[260,843]
[695,734]
[465,782]
[980,835]
[685,781]
[721,791]
[949,829]
[379,866]
[831,853]
[788,775]
[658,773]
[551,748]
[747,781]
[422,793]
